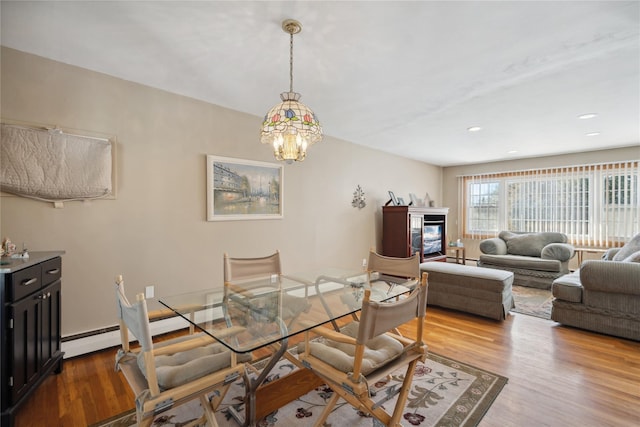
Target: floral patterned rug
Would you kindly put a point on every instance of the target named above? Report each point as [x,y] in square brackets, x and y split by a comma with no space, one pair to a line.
[444,393]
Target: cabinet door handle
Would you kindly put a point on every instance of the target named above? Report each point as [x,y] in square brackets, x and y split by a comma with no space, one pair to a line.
[54,271]
[29,281]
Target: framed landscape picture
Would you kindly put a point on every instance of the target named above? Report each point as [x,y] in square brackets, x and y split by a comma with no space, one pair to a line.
[243,189]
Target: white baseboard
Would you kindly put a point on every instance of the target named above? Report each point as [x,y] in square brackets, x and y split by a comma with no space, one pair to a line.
[80,346]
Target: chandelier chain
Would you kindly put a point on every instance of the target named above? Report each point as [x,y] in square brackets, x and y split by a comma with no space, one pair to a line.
[290,62]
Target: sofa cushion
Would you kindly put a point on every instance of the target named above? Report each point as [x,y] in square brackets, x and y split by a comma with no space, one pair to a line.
[629,248]
[568,287]
[530,244]
[521,262]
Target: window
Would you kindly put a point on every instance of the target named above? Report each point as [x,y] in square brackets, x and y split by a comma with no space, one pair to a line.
[483,206]
[619,189]
[594,205]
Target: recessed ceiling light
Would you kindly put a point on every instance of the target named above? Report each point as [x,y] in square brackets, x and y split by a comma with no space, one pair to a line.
[474,129]
[512,151]
[587,116]
[593,134]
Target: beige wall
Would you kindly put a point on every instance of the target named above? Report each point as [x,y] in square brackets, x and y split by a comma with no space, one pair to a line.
[450,182]
[155,231]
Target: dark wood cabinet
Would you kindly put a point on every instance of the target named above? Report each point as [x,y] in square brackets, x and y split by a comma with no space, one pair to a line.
[31,291]
[407,230]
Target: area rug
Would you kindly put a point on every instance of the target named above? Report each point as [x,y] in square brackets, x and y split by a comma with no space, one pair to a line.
[444,393]
[532,301]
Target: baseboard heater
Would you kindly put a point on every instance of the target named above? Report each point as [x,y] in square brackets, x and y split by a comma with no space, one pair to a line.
[88,342]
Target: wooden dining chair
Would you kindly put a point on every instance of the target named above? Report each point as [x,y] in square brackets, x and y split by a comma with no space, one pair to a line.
[253,297]
[365,352]
[169,373]
[254,278]
[390,272]
[242,269]
[397,274]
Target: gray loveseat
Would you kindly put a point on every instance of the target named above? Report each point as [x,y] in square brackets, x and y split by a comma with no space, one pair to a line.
[602,295]
[536,259]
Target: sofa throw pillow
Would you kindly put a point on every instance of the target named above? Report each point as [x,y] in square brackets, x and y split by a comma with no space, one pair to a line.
[530,244]
[629,248]
[525,244]
[634,257]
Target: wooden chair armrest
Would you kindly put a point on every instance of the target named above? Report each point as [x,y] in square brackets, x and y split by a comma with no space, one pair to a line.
[185,345]
[404,340]
[166,312]
[233,330]
[239,290]
[160,313]
[333,335]
[191,343]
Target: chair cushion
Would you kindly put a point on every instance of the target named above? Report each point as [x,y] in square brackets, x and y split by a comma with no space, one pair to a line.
[378,352]
[180,368]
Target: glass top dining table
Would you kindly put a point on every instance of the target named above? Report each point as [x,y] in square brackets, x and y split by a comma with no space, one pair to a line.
[251,314]
[270,309]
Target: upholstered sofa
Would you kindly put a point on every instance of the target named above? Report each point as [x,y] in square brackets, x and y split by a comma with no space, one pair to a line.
[602,295]
[535,259]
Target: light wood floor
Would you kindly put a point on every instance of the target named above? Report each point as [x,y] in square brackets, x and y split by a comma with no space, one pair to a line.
[558,376]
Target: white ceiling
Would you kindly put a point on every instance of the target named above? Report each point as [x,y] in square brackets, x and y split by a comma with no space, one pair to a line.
[404,77]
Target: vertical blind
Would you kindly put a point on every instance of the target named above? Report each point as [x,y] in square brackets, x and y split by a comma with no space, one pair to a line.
[595,205]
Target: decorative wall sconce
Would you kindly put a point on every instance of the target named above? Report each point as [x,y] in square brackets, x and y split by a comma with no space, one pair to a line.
[359,200]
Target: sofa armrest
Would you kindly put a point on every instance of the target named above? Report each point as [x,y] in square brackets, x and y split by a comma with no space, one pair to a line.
[611,276]
[560,251]
[494,246]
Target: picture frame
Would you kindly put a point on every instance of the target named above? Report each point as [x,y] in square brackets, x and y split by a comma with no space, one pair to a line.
[393,198]
[239,189]
[401,201]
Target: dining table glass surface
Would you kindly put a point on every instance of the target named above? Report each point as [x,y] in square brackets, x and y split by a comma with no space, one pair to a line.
[267,310]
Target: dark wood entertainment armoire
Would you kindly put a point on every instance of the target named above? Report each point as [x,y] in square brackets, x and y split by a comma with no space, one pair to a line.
[410,229]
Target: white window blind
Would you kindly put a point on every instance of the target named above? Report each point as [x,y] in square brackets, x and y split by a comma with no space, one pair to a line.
[595,205]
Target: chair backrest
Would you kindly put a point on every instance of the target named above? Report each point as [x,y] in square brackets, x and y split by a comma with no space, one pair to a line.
[238,269]
[133,317]
[379,317]
[393,266]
